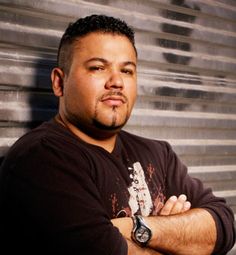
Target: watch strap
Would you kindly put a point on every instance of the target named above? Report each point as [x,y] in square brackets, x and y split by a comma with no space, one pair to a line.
[139,227]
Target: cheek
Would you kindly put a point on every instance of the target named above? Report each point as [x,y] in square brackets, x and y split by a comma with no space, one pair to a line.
[92,89]
[85,95]
[132,93]
[78,88]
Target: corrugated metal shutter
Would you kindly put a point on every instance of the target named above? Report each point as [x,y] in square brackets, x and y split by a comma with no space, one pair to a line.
[187,78]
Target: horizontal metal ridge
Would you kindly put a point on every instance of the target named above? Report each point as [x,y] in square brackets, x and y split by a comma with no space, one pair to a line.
[7,141]
[150,83]
[133,18]
[199,55]
[212,169]
[214,4]
[202,142]
[183,115]
[199,65]
[163,75]
[225,193]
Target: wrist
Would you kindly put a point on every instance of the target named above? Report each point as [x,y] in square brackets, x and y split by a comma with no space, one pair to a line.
[141,232]
[125,225]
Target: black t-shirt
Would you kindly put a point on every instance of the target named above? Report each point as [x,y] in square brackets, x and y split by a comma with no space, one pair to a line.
[59,193]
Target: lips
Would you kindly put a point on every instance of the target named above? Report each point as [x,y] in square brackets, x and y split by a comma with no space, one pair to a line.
[114,100]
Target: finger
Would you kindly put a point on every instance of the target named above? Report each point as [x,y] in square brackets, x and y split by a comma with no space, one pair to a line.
[179,205]
[168,205]
[187,206]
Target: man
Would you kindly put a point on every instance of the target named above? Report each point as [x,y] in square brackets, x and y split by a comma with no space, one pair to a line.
[79,185]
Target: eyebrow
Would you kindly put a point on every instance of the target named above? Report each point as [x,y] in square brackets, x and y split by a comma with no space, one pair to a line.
[104,61]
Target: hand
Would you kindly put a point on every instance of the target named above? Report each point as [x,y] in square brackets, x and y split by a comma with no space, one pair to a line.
[175,205]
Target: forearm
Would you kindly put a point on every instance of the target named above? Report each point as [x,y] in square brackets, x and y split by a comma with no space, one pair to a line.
[125,226]
[134,249]
[192,232]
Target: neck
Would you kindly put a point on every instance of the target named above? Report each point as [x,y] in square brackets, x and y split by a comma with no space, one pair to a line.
[106,143]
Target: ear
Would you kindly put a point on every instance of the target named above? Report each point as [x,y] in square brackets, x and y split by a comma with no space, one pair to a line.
[57,77]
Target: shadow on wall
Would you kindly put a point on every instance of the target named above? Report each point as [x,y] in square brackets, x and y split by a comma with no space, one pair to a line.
[39,98]
[42,102]
[178,30]
[178,58]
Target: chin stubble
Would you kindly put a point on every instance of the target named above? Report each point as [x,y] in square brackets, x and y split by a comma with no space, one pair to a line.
[113,125]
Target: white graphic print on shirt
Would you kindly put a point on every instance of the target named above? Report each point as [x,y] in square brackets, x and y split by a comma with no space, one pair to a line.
[140,197]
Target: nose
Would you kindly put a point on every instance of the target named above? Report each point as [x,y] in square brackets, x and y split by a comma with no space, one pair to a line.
[115,81]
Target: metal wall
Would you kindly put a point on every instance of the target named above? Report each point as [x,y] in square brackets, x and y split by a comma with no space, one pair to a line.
[187,78]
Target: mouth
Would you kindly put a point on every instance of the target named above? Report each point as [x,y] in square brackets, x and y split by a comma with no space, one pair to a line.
[114,100]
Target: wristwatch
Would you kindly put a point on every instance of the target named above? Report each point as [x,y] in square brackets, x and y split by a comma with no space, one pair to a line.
[141,233]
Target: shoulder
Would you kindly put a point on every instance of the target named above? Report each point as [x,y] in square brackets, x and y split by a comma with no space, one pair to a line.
[46,155]
[47,143]
[46,135]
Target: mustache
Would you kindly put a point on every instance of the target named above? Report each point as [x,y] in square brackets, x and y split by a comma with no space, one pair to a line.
[114,93]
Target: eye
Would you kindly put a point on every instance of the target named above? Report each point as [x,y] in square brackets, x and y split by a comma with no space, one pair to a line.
[96,68]
[127,71]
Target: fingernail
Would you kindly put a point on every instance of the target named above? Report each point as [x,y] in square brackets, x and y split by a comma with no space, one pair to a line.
[173,198]
[183,197]
[187,205]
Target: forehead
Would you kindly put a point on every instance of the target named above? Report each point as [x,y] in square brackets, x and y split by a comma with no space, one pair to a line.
[98,44]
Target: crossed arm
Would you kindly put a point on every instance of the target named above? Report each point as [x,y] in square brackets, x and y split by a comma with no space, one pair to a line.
[177,230]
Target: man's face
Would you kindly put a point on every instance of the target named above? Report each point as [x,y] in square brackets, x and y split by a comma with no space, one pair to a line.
[100,88]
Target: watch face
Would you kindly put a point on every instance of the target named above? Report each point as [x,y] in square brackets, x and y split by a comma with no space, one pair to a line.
[142,234]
